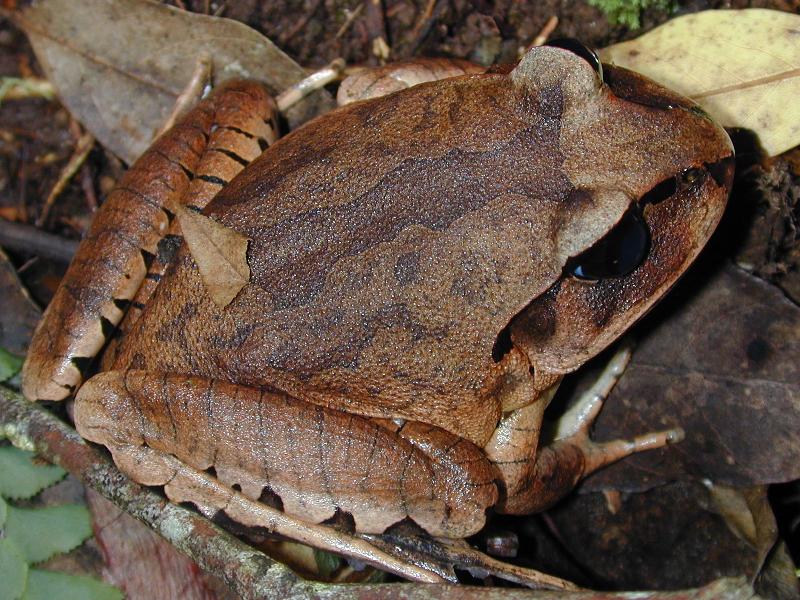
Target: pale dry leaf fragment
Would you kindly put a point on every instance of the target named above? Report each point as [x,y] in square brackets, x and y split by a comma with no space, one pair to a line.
[120,65]
[219,252]
[741,66]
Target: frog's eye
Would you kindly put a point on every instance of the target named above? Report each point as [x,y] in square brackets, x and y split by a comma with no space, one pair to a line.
[580,50]
[618,253]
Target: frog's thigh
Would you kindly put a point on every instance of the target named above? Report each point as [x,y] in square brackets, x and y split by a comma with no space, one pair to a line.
[113,258]
[316,460]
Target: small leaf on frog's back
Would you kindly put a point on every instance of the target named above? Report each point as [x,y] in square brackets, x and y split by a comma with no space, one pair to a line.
[741,66]
[44,585]
[20,477]
[10,364]
[220,254]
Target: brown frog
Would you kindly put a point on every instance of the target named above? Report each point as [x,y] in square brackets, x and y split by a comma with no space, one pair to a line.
[426,267]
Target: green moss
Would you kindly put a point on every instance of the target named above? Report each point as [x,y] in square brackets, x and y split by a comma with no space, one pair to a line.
[626,12]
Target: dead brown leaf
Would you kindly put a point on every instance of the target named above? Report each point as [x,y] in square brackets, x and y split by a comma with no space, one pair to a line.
[219,252]
[120,65]
[668,538]
[19,315]
[723,366]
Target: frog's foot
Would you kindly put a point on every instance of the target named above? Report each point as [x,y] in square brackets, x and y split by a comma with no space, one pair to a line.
[558,467]
[310,461]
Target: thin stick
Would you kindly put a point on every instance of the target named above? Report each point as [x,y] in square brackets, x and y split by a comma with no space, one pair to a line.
[191,93]
[25,238]
[351,16]
[83,146]
[546,31]
[318,79]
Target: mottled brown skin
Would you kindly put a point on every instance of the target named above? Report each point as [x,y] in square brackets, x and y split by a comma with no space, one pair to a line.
[392,243]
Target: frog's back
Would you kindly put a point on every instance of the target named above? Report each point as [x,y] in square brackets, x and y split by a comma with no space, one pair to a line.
[391,242]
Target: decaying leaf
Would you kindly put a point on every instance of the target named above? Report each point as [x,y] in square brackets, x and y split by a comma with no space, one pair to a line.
[742,66]
[220,254]
[19,315]
[722,365]
[121,78]
[654,540]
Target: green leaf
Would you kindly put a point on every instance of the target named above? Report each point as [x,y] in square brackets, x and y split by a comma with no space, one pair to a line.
[20,477]
[13,570]
[10,364]
[46,585]
[42,532]
[3,512]
[327,563]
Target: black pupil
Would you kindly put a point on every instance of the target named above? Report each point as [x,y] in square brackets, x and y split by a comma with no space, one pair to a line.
[618,253]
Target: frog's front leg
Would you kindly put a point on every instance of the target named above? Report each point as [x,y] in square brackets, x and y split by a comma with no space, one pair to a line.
[535,478]
[312,460]
[188,164]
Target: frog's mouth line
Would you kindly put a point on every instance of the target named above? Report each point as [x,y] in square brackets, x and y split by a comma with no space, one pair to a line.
[627,245]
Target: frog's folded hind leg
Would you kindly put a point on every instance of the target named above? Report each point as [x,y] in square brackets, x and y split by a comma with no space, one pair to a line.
[311,461]
[535,479]
[127,235]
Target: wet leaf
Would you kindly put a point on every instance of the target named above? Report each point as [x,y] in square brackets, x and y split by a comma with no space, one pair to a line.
[739,404]
[21,477]
[45,585]
[119,65]
[42,532]
[742,66]
[220,254]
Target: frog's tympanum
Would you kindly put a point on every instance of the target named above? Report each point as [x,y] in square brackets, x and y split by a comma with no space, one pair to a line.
[426,266]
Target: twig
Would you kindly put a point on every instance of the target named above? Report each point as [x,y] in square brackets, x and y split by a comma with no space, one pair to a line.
[546,31]
[191,93]
[318,79]
[29,239]
[83,146]
[352,15]
[376,29]
[421,28]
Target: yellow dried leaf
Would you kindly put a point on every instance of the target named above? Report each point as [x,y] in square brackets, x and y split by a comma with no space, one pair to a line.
[219,252]
[741,66]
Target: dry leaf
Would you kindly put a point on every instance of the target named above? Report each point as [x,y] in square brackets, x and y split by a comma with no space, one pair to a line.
[219,252]
[739,404]
[120,65]
[741,66]
[654,539]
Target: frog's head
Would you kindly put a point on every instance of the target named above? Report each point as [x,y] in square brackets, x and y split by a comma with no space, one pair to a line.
[647,157]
